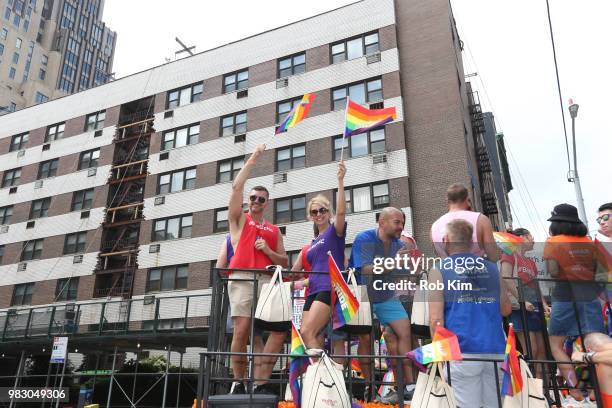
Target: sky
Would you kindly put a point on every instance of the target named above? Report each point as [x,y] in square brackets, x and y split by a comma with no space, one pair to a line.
[506,43]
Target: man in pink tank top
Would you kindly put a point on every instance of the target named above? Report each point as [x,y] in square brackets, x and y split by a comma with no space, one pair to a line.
[257,244]
[459,207]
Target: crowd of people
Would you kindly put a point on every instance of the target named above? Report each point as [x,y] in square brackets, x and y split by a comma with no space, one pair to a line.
[503,288]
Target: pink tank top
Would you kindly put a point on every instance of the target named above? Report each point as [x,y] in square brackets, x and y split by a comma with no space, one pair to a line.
[438,230]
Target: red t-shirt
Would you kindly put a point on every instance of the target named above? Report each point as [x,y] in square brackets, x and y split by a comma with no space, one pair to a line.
[526,269]
[245,254]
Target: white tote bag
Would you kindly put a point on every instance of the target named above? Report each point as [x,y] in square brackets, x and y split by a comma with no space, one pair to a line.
[432,391]
[361,323]
[532,394]
[419,318]
[323,384]
[274,310]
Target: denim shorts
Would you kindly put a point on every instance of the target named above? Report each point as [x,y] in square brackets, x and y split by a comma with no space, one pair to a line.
[563,318]
[389,311]
[534,322]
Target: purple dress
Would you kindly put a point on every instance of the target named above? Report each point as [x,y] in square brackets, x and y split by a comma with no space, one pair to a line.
[317,257]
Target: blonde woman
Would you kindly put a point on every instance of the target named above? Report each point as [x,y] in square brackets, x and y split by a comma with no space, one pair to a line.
[330,236]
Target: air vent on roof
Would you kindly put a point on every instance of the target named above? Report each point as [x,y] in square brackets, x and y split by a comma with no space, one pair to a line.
[77,259]
[22,266]
[92,171]
[149,300]
[377,105]
[164,156]
[13,190]
[20,153]
[98,133]
[373,58]
[168,114]
[30,224]
[242,94]
[283,230]
[282,82]
[84,214]
[154,248]
[379,158]
[240,138]
[160,200]
[279,178]
[46,146]
[38,183]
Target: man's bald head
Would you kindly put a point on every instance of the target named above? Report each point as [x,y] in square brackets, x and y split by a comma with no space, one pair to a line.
[391,222]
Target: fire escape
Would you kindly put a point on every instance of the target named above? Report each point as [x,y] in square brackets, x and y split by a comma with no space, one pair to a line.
[118,257]
[487,191]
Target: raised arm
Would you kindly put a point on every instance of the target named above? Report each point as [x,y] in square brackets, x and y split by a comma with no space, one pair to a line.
[484,233]
[341,201]
[235,214]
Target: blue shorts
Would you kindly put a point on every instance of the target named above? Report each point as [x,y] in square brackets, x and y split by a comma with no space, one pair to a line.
[389,311]
[534,323]
[563,318]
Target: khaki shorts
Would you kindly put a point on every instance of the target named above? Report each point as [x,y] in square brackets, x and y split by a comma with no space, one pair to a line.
[241,292]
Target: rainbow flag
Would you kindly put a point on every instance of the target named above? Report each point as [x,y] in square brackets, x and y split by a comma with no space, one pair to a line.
[360,119]
[298,364]
[344,304]
[512,382]
[444,347]
[356,367]
[509,243]
[297,114]
[385,388]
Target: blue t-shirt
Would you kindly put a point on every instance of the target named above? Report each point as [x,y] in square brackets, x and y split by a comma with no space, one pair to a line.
[366,247]
[473,315]
[317,257]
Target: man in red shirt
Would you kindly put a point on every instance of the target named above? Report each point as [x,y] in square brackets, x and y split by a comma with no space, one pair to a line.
[257,244]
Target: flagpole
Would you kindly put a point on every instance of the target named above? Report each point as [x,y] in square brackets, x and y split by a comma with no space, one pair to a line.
[344,131]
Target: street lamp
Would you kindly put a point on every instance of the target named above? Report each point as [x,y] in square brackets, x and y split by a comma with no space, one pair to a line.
[573,109]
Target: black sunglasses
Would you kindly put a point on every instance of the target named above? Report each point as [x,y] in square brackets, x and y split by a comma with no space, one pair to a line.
[259,199]
[321,211]
[604,217]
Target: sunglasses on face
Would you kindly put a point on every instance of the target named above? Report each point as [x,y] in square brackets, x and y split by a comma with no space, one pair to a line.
[321,211]
[259,199]
[603,218]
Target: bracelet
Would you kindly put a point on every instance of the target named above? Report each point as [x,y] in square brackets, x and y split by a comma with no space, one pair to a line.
[588,357]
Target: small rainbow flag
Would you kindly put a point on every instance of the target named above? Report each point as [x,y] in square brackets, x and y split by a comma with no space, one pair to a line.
[298,364]
[344,303]
[512,382]
[356,367]
[509,243]
[385,388]
[297,114]
[360,119]
[444,347]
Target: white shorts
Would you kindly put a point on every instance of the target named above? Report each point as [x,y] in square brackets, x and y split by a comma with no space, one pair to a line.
[474,383]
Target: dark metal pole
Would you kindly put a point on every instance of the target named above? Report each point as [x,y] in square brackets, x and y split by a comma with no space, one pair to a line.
[178,389]
[166,376]
[18,376]
[112,378]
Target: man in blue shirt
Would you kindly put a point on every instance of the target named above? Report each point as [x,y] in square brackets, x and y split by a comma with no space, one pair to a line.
[470,302]
[370,248]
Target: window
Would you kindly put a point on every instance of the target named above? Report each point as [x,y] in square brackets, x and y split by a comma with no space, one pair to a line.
[40,208]
[236,81]
[366,198]
[47,169]
[234,124]
[293,157]
[172,228]
[15,58]
[1,49]
[82,200]
[284,107]
[12,73]
[228,169]
[55,132]
[290,209]
[18,43]
[167,278]
[360,92]
[181,137]
[32,250]
[1,253]
[184,96]
[176,181]
[293,65]
[360,145]
[11,177]
[22,294]
[354,48]
[44,60]
[3,34]
[41,98]
[7,13]
[19,142]
[75,243]
[95,121]
[221,221]
[5,214]
[89,159]
[66,289]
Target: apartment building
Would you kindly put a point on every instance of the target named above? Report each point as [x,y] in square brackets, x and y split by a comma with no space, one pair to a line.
[51,48]
[120,191]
